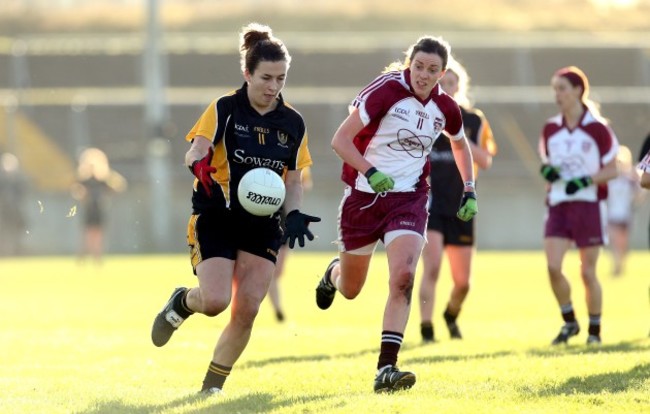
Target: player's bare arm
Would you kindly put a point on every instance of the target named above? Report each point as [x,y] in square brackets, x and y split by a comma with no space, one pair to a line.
[293,185]
[464,160]
[645,180]
[481,156]
[343,146]
[199,149]
[608,172]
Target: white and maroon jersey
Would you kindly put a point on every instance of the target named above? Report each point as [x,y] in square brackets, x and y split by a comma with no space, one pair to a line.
[400,129]
[577,152]
[624,189]
[644,165]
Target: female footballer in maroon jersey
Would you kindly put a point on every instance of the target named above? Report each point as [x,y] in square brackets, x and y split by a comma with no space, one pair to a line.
[578,151]
[233,252]
[384,144]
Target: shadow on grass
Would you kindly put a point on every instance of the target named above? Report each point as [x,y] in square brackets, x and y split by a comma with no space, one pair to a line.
[639,345]
[348,355]
[308,358]
[251,403]
[611,382]
[453,358]
[117,406]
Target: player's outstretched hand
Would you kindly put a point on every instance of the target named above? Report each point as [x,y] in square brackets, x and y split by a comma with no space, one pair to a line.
[573,186]
[468,206]
[297,227]
[379,182]
[202,170]
[550,173]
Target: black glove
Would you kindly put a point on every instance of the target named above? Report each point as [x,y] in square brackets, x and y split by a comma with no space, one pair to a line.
[576,184]
[297,227]
[550,173]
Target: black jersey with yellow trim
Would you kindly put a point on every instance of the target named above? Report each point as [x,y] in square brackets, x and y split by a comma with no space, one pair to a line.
[446,182]
[243,139]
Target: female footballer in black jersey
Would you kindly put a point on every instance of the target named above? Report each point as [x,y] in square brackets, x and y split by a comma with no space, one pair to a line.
[445,232]
[233,252]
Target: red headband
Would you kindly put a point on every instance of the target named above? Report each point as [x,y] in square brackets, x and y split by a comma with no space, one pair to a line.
[576,77]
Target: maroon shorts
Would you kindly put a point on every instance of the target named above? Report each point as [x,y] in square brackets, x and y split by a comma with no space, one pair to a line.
[581,221]
[365,218]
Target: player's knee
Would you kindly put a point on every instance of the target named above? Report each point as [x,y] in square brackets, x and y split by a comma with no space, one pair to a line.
[244,315]
[554,271]
[432,274]
[402,283]
[463,287]
[349,292]
[589,277]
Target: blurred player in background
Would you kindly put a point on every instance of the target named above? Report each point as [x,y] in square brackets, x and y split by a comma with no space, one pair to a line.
[644,167]
[233,252]
[13,223]
[274,288]
[645,149]
[578,151]
[95,182]
[384,144]
[446,232]
[624,192]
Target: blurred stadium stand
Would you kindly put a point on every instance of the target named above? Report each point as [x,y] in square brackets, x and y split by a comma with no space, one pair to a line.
[63,93]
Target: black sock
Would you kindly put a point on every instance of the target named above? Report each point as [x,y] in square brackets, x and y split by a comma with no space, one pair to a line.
[279,315]
[594,325]
[216,376]
[567,313]
[180,306]
[390,345]
[450,318]
[328,280]
[426,329]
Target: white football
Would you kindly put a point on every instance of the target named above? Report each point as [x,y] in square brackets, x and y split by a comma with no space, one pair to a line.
[261,191]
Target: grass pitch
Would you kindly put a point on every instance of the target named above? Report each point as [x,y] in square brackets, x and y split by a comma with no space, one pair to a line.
[75,338]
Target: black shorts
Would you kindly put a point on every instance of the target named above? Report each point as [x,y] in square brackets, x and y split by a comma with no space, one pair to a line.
[223,233]
[455,231]
[93,217]
[283,223]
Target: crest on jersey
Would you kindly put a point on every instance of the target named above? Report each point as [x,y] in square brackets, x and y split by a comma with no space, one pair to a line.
[586,146]
[437,126]
[417,146]
[283,137]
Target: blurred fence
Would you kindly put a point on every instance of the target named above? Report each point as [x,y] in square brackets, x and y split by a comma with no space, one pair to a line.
[80,92]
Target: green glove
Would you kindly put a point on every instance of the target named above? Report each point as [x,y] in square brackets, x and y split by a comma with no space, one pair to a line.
[550,173]
[573,186]
[468,206]
[379,181]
